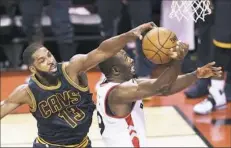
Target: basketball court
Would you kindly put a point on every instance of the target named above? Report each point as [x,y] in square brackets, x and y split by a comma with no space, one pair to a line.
[165,127]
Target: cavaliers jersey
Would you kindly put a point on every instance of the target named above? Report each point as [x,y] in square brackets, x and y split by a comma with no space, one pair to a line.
[126,131]
[63,112]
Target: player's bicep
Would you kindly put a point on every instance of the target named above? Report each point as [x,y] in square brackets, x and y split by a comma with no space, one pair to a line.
[15,99]
[125,92]
[84,62]
[93,58]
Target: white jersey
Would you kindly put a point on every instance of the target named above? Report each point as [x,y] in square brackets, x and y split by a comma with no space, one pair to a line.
[126,131]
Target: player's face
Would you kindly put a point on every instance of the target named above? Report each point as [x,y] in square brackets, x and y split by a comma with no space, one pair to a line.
[127,66]
[130,64]
[44,62]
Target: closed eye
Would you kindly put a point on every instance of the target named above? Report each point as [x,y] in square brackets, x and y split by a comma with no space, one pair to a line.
[41,60]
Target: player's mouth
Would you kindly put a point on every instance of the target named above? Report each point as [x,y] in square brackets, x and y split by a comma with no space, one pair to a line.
[133,69]
[53,68]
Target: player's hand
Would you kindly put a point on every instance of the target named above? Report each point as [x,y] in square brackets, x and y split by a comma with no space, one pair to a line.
[209,71]
[137,32]
[180,51]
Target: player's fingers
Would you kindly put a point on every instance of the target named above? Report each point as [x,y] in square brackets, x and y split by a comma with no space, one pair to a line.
[147,26]
[216,71]
[152,24]
[171,51]
[140,37]
[173,55]
[181,51]
[210,64]
[218,74]
[216,68]
[138,34]
[185,45]
[182,44]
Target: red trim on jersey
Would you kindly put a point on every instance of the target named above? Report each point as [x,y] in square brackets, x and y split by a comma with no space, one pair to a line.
[135,139]
[105,105]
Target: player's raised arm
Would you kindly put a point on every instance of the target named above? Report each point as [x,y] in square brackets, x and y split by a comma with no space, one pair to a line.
[17,98]
[141,88]
[186,80]
[108,48]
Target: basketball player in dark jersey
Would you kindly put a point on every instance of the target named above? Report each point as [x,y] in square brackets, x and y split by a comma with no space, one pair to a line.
[58,94]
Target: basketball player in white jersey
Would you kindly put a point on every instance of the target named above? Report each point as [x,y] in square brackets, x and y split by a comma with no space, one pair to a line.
[119,97]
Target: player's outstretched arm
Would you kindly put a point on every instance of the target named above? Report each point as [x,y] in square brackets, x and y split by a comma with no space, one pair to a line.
[141,88]
[17,98]
[164,85]
[108,48]
[183,81]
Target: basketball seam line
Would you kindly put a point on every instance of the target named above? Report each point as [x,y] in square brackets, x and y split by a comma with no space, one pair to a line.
[156,52]
[158,36]
[156,47]
[151,51]
[159,50]
[162,45]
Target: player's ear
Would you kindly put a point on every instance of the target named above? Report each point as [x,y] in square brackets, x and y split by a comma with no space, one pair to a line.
[32,69]
[115,70]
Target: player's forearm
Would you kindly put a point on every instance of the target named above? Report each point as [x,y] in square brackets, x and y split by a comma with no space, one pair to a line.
[163,83]
[6,108]
[182,82]
[113,45]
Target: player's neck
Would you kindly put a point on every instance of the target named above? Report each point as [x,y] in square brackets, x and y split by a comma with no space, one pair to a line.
[47,81]
[115,79]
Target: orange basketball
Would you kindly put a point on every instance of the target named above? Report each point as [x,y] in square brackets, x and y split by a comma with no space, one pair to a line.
[156,44]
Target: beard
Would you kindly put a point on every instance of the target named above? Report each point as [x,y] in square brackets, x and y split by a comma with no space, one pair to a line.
[50,77]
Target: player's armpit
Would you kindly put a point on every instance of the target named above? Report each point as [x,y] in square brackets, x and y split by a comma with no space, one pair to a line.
[17,98]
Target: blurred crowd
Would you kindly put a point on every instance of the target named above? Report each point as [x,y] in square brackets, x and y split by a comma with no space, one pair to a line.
[69,27]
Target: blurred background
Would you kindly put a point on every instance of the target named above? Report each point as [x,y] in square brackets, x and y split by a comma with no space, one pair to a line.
[23,21]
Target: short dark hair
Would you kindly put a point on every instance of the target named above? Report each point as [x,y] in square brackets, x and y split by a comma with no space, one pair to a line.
[106,66]
[29,51]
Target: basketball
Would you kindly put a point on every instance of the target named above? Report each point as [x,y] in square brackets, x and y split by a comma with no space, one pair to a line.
[157,43]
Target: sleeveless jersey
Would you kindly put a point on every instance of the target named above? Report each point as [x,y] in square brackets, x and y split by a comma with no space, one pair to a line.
[63,112]
[126,131]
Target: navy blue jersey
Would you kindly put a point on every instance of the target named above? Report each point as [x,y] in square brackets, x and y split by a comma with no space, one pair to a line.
[63,112]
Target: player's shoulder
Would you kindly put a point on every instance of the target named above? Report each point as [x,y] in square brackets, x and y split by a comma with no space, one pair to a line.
[75,63]
[77,59]
[21,88]
[20,93]
[105,86]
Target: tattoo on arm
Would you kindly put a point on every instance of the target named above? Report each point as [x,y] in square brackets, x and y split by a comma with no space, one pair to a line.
[163,90]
